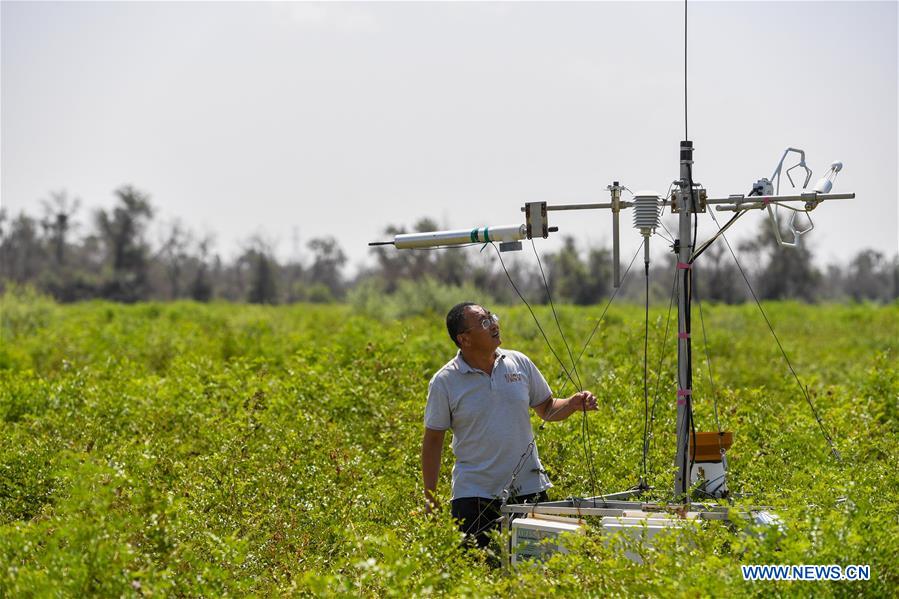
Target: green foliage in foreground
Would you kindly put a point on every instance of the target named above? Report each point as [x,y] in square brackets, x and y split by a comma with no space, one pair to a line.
[223,450]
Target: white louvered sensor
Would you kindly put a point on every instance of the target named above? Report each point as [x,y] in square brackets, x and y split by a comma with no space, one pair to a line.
[646,212]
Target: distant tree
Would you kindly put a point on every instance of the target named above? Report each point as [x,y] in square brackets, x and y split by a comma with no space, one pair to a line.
[391,264]
[293,274]
[869,277]
[174,254]
[496,284]
[785,273]
[568,275]
[448,265]
[258,260]
[599,275]
[201,286]
[833,285]
[122,232]
[328,259]
[58,222]
[263,289]
[720,278]
[293,271]
[893,270]
[22,253]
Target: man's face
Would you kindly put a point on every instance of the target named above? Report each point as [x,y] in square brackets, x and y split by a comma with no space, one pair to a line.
[476,336]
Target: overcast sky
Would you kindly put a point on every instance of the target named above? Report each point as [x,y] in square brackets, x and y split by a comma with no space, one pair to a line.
[301,120]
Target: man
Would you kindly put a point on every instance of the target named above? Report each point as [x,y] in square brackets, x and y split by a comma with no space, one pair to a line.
[483,396]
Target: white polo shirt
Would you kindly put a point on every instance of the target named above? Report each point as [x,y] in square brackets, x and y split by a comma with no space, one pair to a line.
[490,419]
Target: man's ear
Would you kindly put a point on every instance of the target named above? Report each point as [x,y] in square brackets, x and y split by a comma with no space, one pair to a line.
[462,339]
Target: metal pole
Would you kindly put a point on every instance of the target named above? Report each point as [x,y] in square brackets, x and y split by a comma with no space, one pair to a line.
[616,209]
[684,376]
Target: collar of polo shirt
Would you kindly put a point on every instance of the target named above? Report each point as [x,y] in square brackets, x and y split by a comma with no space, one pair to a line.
[463,366]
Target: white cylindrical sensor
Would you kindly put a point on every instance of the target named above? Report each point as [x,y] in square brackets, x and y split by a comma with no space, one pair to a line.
[460,236]
[824,185]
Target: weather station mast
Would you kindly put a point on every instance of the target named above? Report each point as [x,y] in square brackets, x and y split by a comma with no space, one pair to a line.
[687,199]
[699,457]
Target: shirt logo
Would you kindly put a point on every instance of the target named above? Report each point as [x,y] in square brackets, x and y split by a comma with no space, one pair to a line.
[513,377]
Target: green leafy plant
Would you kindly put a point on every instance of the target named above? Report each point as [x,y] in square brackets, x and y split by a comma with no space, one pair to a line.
[205,450]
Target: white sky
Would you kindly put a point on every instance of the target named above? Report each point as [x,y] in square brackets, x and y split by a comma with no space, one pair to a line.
[342,118]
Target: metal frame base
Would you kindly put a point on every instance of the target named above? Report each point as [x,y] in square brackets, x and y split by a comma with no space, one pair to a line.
[612,504]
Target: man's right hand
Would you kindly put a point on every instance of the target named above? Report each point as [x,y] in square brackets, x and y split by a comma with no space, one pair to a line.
[583,400]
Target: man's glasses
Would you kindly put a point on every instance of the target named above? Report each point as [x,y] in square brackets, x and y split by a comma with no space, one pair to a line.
[486,322]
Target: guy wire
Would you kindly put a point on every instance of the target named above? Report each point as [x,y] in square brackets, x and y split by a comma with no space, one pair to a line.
[833,449]
[645,370]
[655,398]
[708,361]
[534,316]
[585,426]
[609,303]
[689,457]
[598,322]
[545,420]
[556,317]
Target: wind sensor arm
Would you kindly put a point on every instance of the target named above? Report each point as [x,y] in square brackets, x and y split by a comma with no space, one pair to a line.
[508,236]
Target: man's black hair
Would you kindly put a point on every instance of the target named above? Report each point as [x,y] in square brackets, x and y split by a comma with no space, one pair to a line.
[455,320]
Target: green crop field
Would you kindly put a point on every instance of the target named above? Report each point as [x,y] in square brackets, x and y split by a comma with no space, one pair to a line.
[210,450]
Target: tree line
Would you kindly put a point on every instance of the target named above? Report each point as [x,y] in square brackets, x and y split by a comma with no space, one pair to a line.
[112,257]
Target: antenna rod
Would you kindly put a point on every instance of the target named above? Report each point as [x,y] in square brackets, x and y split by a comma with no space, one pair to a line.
[686,134]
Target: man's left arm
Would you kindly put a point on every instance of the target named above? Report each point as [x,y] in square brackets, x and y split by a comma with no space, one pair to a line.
[554,408]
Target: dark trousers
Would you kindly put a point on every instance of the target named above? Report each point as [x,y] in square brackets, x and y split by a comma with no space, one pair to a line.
[477,516]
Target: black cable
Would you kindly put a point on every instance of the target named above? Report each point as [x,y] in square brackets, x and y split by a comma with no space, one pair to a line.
[552,305]
[670,237]
[708,361]
[667,237]
[808,399]
[693,207]
[646,371]
[721,229]
[687,383]
[692,453]
[590,338]
[585,427]
[609,303]
[446,247]
[531,310]
[576,361]
[688,295]
[655,399]
[697,253]
[588,455]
